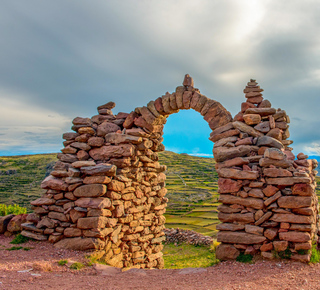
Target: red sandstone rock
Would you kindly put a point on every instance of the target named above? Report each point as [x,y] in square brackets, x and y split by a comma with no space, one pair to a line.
[256,193]
[4,221]
[270,233]
[229,185]
[42,201]
[75,215]
[303,246]
[274,153]
[108,106]
[253,94]
[303,211]
[232,162]
[276,172]
[228,209]
[266,162]
[82,121]
[229,227]
[15,223]
[187,96]
[116,185]
[293,236]
[270,190]
[294,202]
[237,174]
[250,229]
[90,190]
[264,218]
[245,141]
[246,129]
[269,141]
[238,117]
[226,134]
[222,153]
[266,247]
[272,199]
[107,127]
[275,133]
[129,121]
[287,181]
[255,100]
[179,96]
[96,179]
[302,189]
[82,155]
[247,105]
[194,100]
[72,232]
[264,104]
[292,218]
[203,99]
[248,202]
[100,169]
[236,217]
[117,138]
[80,244]
[96,141]
[188,81]
[92,222]
[53,183]
[106,152]
[280,246]
[100,202]
[226,252]
[239,238]
[261,111]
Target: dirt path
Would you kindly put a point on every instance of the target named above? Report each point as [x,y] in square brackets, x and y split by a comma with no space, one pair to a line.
[47,274]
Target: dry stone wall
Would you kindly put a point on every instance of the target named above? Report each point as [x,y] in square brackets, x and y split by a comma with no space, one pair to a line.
[107,191]
[269,204]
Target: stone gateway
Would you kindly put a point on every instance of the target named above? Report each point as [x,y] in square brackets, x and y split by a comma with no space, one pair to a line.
[107,191]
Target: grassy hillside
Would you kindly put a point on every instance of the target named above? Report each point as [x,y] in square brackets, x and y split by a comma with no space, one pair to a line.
[192,192]
[20,177]
[191,183]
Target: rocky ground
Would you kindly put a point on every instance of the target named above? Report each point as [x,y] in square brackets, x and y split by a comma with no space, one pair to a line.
[38,269]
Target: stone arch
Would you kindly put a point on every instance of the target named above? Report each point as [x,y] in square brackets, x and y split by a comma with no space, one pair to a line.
[107,191]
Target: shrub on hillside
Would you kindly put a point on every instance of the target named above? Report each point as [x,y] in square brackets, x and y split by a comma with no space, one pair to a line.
[11,209]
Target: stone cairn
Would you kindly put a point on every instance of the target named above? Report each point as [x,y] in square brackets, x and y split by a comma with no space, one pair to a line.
[268,198]
[107,191]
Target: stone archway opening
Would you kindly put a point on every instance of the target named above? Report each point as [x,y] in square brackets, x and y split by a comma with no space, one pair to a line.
[107,191]
[191,180]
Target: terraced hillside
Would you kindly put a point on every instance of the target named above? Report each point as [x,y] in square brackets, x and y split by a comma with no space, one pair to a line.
[192,192]
[191,183]
[20,177]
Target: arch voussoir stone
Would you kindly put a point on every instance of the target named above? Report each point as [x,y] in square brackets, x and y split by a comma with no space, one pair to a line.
[107,191]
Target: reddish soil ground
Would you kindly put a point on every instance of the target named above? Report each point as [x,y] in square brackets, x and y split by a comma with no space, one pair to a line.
[38,269]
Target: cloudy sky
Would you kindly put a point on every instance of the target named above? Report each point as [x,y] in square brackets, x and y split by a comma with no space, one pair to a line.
[62,59]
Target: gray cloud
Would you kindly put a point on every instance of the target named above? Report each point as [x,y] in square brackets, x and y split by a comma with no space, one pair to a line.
[64,58]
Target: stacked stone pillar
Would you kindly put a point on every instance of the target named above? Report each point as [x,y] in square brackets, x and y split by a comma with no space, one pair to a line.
[269,204]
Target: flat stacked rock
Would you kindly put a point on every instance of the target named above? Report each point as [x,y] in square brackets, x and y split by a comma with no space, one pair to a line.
[268,198]
[107,191]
